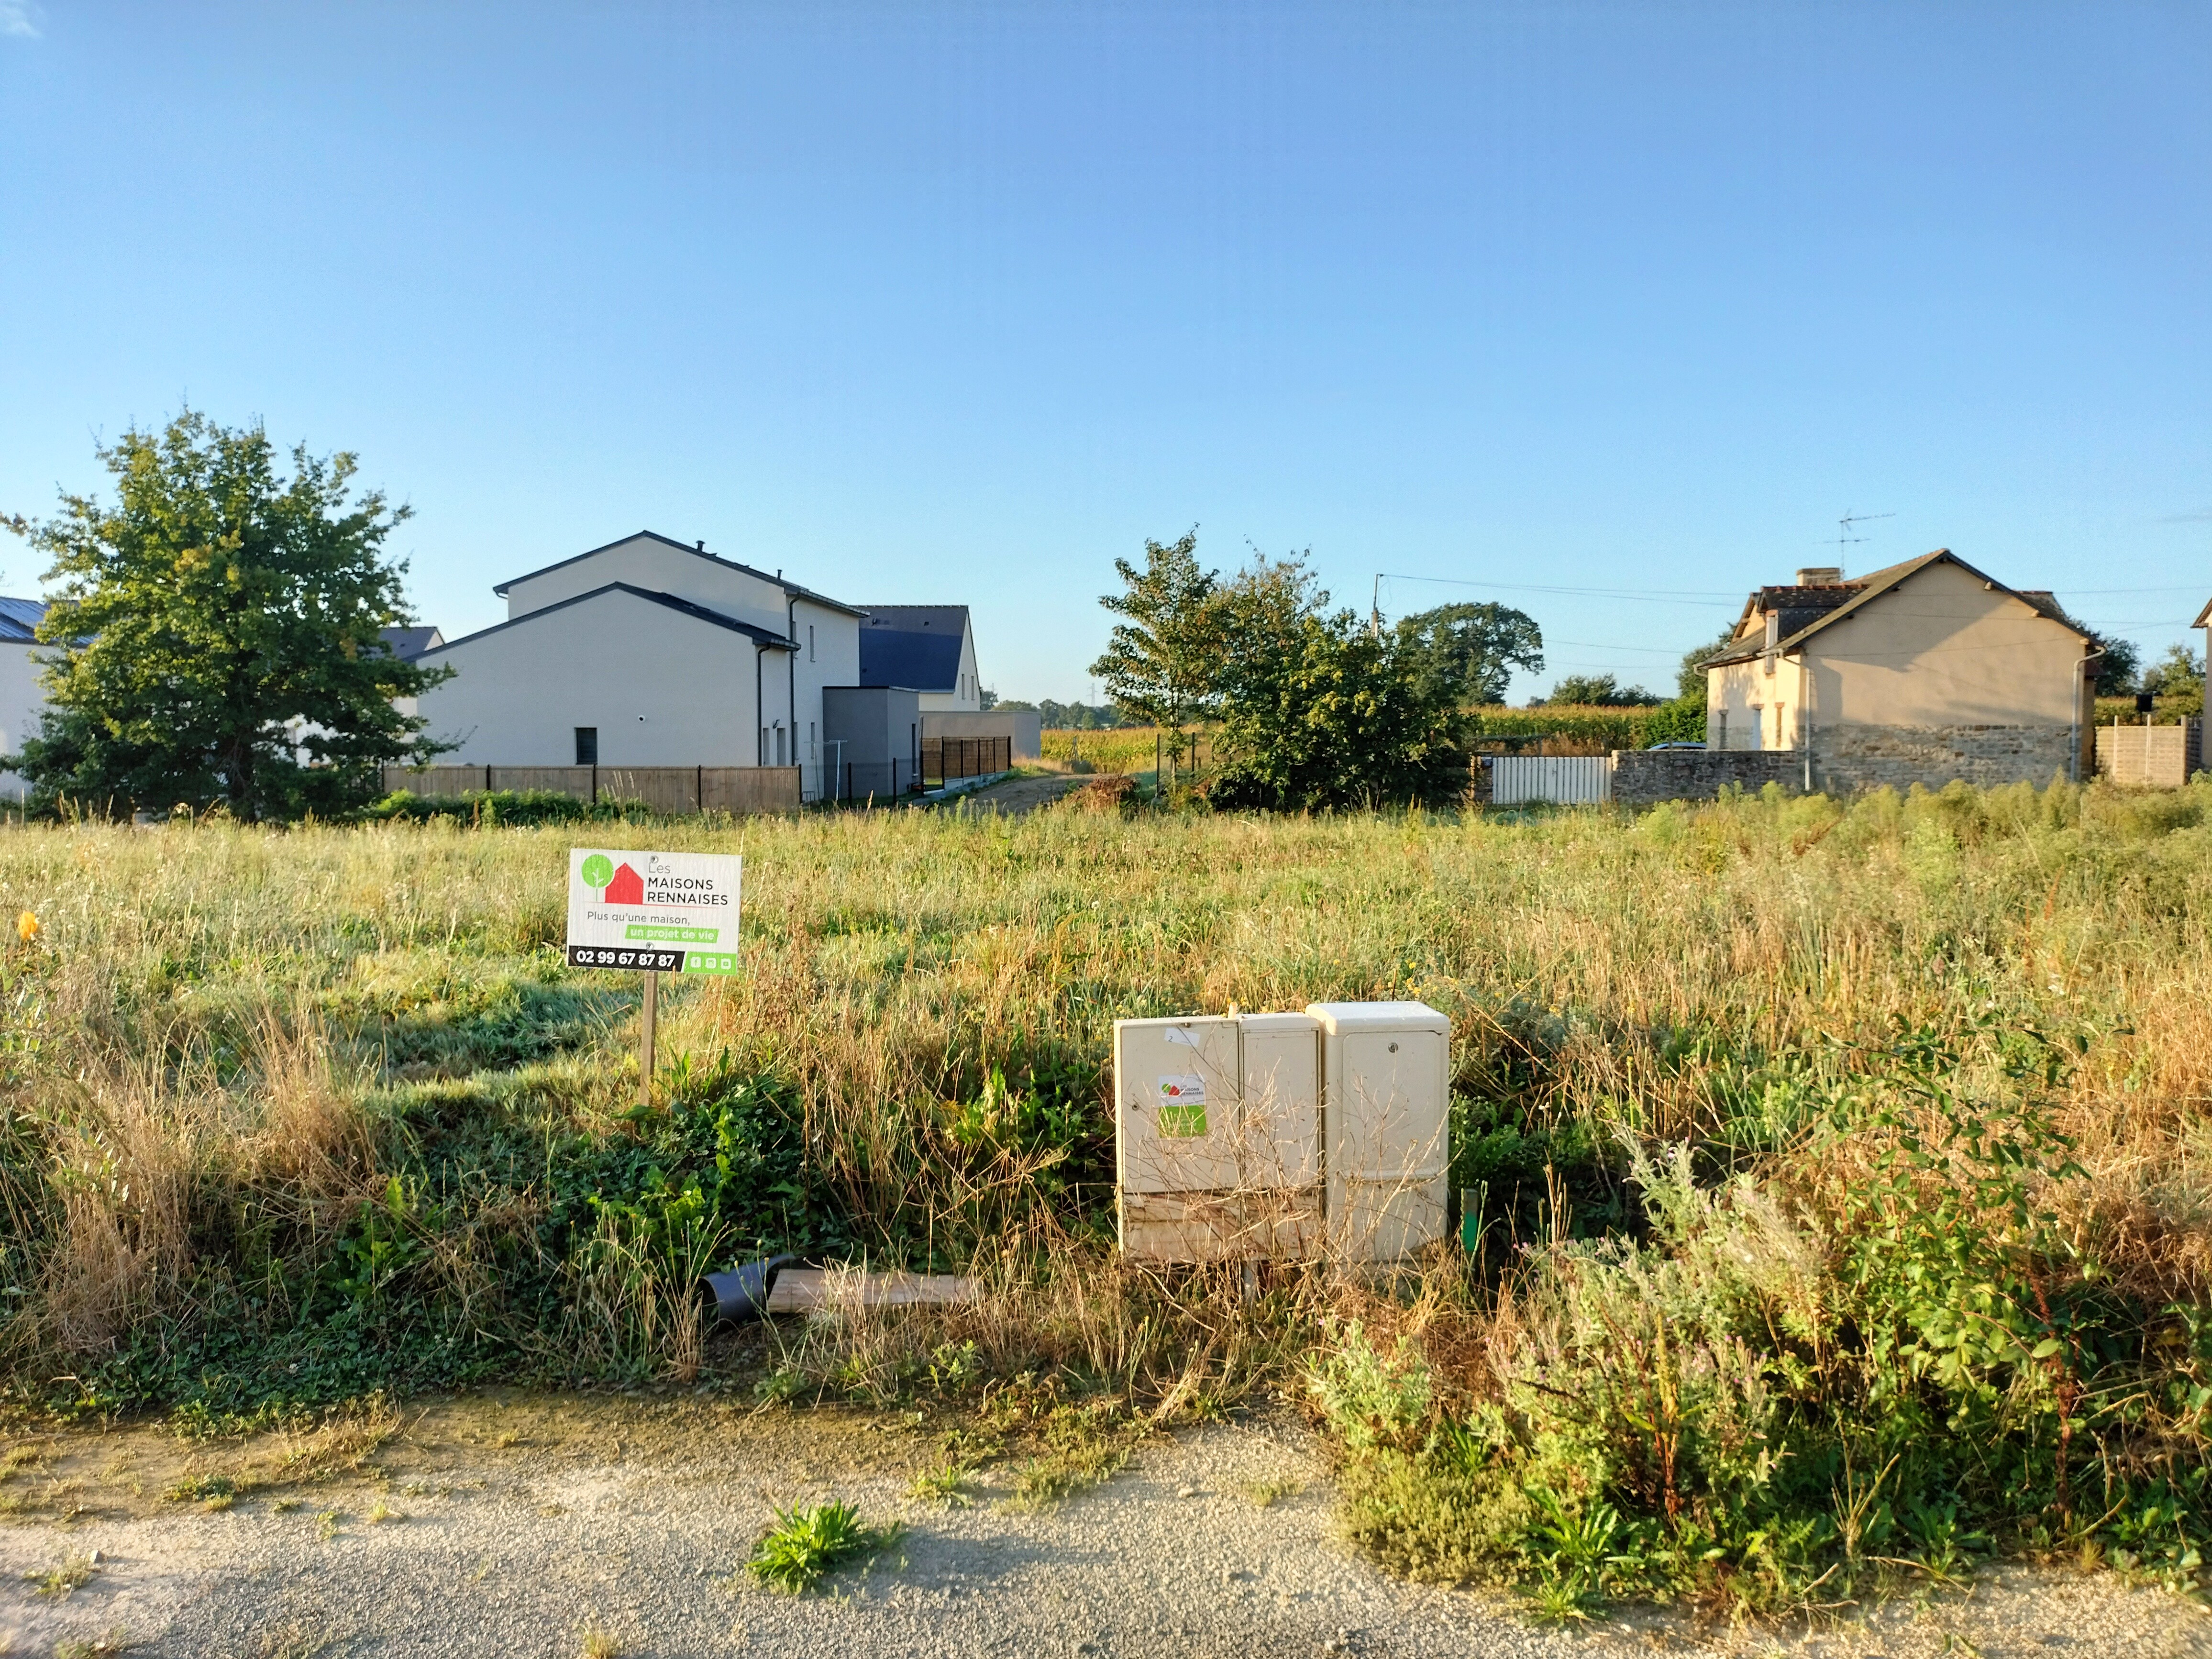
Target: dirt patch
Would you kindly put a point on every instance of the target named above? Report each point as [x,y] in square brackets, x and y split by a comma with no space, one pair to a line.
[1018,796]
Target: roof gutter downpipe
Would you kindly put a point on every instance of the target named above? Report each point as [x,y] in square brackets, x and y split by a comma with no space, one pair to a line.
[2082,693]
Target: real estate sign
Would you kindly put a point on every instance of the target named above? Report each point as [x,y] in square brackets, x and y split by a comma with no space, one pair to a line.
[670,913]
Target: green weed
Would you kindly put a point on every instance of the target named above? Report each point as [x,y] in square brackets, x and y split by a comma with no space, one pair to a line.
[804,1544]
[74,1571]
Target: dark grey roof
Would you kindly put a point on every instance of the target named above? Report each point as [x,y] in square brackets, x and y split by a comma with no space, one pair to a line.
[759,636]
[409,643]
[20,619]
[916,646]
[1801,620]
[697,553]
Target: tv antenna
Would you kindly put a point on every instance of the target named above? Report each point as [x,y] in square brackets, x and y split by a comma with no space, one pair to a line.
[1843,537]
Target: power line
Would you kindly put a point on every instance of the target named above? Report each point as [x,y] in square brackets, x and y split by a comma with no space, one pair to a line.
[1699,596]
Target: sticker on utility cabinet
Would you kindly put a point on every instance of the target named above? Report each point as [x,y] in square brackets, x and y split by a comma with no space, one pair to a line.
[1182,1105]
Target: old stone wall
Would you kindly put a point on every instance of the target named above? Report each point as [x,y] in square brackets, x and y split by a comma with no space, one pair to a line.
[1643,777]
[1848,758]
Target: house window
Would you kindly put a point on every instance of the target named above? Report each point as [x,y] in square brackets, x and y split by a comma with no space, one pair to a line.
[779,743]
[809,641]
[587,746]
[812,753]
[1758,732]
[1720,729]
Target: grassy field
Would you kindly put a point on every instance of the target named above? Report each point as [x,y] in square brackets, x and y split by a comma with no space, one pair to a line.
[1124,749]
[1847,1188]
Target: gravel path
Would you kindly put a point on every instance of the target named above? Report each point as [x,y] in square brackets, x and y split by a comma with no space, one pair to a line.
[515,1526]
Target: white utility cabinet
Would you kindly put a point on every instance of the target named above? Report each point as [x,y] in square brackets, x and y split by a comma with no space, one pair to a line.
[1218,1135]
[1385,1102]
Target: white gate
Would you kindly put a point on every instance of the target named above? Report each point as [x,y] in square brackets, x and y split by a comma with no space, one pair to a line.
[1567,780]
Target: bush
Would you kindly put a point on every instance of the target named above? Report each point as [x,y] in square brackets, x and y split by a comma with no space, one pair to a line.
[1863,1366]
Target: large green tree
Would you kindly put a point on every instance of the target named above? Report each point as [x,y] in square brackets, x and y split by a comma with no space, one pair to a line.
[1318,710]
[215,621]
[1469,651]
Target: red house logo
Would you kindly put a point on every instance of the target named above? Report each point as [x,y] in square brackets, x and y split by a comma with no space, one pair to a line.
[626,887]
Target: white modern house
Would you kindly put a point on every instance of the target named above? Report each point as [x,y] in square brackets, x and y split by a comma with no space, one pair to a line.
[646,652]
[929,649]
[21,697]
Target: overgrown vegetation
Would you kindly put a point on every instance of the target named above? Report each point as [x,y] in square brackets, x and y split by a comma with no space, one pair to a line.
[1841,1176]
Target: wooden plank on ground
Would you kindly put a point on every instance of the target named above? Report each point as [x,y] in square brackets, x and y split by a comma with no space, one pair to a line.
[803,1290]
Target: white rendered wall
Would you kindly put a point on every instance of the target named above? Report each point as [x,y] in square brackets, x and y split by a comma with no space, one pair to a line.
[21,698]
[653,565]
[663,689]
[829,654]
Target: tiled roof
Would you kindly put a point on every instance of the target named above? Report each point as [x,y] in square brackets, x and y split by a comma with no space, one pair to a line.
[760,637]
[20,619]
[1802,620]
[915,646]
[697,551]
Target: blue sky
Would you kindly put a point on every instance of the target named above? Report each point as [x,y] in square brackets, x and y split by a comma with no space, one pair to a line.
[957,302]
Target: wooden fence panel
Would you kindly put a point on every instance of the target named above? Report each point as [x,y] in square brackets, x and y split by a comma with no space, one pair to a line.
[663,788]
[748,788]
[437,781]
[944,760]
[2150,757]
[575,781]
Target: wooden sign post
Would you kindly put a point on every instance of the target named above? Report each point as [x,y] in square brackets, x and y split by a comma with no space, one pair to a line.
[647,1019]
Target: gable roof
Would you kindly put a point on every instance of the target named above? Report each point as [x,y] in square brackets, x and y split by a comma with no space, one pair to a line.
[20,619]
[2203,617]
[1804,614]
[696,552]
[915,646]
[759,636]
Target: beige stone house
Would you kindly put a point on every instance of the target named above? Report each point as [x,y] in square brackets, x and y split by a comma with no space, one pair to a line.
[1920,673]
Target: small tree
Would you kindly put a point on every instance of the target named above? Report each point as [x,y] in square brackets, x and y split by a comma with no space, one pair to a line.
[1161,664]
[2179,674]
[215,620]
[1469,651]
[2115,670]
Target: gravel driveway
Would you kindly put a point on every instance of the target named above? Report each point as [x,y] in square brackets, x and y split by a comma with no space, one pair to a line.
[489,1526]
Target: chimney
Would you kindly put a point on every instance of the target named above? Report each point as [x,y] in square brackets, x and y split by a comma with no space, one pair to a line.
[1821,575]
[701,546]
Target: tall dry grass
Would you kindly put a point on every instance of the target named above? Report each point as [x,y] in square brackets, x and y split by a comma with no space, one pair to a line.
[225,1043]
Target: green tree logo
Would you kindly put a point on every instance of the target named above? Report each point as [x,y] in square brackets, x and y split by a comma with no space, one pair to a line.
[599,870]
